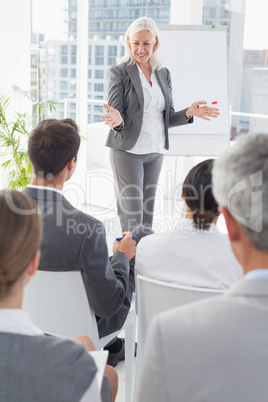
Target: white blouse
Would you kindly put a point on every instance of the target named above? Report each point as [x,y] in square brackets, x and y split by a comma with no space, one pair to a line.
[189,257]
[152,135]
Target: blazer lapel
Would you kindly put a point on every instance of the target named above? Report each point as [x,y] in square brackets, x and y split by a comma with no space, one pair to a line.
[163,85]
[134,76]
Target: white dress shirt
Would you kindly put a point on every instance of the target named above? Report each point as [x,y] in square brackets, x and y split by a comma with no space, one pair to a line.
[17,321]
[152,135]
[189,257]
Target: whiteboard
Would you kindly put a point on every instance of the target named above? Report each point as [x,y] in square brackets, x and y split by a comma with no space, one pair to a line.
[196,58]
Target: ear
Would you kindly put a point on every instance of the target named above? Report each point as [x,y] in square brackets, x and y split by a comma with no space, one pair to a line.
[34,264]
[231,224]
[182,196]
[156,43]
[71,164]
[128,41]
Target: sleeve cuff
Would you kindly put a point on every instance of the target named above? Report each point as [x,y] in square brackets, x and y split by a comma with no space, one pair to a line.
[119,128]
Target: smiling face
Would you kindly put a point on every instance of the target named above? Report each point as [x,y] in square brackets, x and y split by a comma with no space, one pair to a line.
[142,45]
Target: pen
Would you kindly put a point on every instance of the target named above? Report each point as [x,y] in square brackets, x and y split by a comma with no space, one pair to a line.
[120,238]
[208,104]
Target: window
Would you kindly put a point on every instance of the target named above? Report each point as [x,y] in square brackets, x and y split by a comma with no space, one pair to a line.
[99,74]
[64,72]
[98,108]
[99,61]
[64,50]
[63,85]
[99,51]
[89,55]
[111,61]
[34,61]
[98,87]
[72,86]
[55,60]
[112,50]
[34,80]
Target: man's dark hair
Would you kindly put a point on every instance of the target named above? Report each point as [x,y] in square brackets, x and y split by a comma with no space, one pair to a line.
[52,144]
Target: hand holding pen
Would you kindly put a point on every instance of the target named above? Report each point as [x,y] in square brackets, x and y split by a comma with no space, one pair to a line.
[120,238]
[125,244]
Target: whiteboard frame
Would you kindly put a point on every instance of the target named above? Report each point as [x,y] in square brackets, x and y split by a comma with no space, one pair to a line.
[191,144]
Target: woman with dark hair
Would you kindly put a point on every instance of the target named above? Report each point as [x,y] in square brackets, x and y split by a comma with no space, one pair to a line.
[196,254]
[201,205]
[33,366]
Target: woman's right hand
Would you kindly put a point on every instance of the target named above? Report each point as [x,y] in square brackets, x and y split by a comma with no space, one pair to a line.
[113,118]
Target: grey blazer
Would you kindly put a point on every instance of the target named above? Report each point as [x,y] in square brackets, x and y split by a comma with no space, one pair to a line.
[215,350]
[126,95]
[73,240]
[43,369]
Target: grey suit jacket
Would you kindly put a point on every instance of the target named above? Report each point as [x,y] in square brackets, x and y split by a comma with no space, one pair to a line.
[214,351]
[73,240]
[126,95]
[43,369]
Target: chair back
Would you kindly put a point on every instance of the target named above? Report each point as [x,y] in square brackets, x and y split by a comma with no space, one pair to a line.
[156,296]
[57,303]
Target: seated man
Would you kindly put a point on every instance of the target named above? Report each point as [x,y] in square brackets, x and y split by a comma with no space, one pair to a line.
[216,350]
[73,240]
[196,254]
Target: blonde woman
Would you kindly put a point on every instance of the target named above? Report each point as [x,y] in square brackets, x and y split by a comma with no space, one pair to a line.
[141,110]
[33,366]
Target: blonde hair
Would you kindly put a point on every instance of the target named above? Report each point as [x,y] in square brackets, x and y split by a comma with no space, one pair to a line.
[20,235]
[139,25]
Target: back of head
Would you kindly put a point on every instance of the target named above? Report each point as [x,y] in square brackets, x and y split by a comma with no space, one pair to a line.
[20,235]
[139,25]
[52,144]
[197,193]
[240,183]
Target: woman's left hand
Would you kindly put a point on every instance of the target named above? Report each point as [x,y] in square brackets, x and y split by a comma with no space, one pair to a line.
[113,118]
[204,112]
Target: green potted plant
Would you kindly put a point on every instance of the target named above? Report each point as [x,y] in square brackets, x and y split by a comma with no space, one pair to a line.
[14,132]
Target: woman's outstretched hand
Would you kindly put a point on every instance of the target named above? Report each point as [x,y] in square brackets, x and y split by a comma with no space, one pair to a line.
[203,111]
[113,118]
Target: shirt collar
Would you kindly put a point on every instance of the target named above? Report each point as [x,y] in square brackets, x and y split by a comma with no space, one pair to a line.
[261,273]
[190,223]
[17,321]
[142,73]
[44,188]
